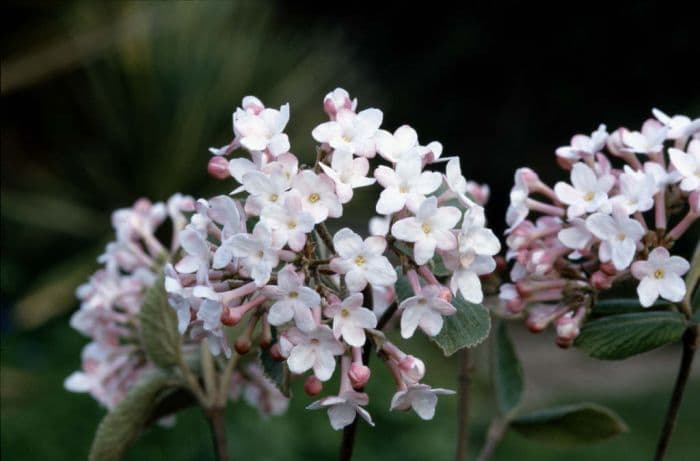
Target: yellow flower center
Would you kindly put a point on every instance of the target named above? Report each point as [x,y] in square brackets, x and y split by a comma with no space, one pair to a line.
[426,228]
[292,225]
[360,260]
[346,138]
[621,236]
[293,294]
[589,196]
[313,198]
[403,189]
[274,197]
[344,312]
[659,273]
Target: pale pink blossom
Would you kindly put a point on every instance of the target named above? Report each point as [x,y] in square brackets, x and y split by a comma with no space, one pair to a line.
[350,131]
[347,173]
[343,409]
[351,319]
[660,275]
[619,236]
[406,186]
[425,310]
[419,397]
[317,194]
[293,300]
[313,350]
[361,261]
[688,165]
[588,194]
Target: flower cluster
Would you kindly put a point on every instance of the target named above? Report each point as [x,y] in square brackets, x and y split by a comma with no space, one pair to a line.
[111,300]
[631,195]
[266,261]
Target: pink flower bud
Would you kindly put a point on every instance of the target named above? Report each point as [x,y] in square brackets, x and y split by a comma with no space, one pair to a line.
[242,345]
[608,268]
[529,177]
[337,100]
[359,375]
[313,386]
[445,294]
[218,167]
[412,368]
[231,316]
[276,353]
[568,327]
[601,281]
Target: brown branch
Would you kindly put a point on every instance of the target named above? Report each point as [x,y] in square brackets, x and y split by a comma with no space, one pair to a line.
[215,417]
[690,344]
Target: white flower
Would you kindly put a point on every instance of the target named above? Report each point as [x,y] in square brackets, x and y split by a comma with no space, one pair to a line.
[379,225]
[256,253]
[350,320]
[679,126]
[584,146]
[660,275]
[343,409]
[457,183]
[618,234]
[351,132]
[338,100]
[421,397]
[198,254]
[315,349]
[466,272]
[576,236]
[293,300]
[394,146]
[517,208]
[430,228]
[425,311]
[347,173]
[408,185]
[288,222]
[475,238]
[227,213]
[636,191]
[688,165]
[178,298]
[264,190]
[262,130]
[589,192]
[361,262]
[317,195]
[649,141]
[661,176]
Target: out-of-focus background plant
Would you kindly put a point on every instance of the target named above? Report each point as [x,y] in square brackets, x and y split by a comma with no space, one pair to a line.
[105,103]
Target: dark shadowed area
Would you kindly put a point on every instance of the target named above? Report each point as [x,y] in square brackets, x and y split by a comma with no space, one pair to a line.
[104,103]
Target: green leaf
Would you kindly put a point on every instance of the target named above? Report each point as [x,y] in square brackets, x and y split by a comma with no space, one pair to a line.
[466,328]
[438,268]
[159,334]
[508,372]
[120,427]
[613,306]
[403,286]
[276,371]
[570,425]
[620,336]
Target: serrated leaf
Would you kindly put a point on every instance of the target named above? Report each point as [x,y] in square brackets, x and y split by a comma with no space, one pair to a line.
[159,334]
[120,427]
[276,371]
[508,372]
[466,328]
[620,336]
[570,425]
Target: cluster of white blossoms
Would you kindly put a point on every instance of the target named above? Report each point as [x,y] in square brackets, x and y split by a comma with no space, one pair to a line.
[112,299]
[632,194]
[263,257]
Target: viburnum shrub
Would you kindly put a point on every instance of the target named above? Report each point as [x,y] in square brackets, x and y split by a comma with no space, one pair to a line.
[252,289]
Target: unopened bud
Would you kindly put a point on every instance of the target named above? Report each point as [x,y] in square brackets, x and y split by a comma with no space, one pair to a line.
[445,294]
[359,375]
[276,353]
[242,345]
[412,368]
[608,268]
[313,386]
[601,281]
[231,316]
[218,167]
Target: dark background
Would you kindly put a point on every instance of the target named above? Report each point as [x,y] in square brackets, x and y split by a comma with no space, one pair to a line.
[103,103]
